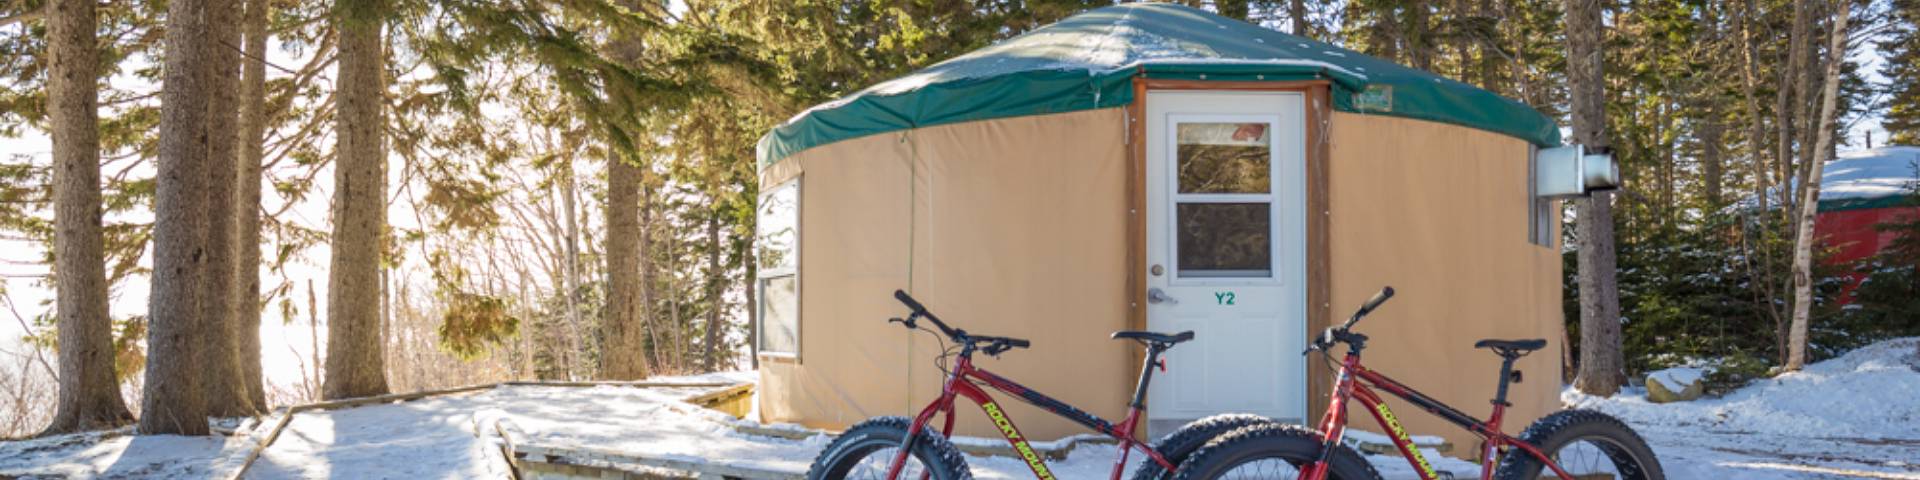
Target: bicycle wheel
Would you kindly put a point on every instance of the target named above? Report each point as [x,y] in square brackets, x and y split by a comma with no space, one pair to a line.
[1180,444]
[1586,444]
[866,451]
[1270,451]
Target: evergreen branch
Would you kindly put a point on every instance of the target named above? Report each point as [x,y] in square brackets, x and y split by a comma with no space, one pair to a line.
[23,17]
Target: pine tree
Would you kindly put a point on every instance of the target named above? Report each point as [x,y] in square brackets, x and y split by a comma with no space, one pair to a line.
[1900,46]
[246,269]
[1602,368]
[175,398]
[89,390]
[356,359]
[623,349]
[227,393]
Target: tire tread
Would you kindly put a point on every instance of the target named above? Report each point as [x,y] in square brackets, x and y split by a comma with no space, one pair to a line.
[1180,445]
[1544,432]
[1343,457]
[940,446]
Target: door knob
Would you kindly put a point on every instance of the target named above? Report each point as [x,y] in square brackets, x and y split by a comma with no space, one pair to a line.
[1156,295]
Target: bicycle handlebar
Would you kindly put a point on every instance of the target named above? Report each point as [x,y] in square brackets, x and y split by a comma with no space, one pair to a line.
[958,335]
[1338,334]
[1372,303]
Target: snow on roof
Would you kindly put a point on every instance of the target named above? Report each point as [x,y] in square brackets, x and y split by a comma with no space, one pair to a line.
[1873,173]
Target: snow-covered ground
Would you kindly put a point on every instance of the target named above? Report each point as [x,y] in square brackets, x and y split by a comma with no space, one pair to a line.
[115,454]
[1857,416]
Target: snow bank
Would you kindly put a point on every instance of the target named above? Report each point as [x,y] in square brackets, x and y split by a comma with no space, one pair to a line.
[1869,392]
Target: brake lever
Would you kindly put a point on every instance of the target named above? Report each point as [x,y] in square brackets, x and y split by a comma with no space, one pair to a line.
[908,323]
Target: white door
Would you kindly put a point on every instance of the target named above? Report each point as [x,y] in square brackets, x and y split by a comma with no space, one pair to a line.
[1226,253]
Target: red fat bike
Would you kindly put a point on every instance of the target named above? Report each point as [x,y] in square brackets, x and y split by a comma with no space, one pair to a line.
[1570,444]
[881,448]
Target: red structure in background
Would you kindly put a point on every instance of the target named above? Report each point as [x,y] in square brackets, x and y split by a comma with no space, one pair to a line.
[1863,189]
[1851,236]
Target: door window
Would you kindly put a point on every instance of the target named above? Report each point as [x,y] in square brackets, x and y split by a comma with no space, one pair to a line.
[1223,206]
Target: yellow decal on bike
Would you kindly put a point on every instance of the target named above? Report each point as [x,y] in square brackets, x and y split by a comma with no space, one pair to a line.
[1019,443]
[1400,434]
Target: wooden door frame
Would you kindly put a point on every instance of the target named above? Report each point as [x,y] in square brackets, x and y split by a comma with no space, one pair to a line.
[1319,271]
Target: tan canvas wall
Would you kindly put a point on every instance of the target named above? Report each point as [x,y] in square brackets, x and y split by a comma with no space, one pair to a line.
[1440,212]
[1017,229]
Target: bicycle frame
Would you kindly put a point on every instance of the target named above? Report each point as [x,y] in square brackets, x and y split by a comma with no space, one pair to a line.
[960,383]
[1353,384]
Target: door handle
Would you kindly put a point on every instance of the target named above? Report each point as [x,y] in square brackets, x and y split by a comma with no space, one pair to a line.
[1156,295]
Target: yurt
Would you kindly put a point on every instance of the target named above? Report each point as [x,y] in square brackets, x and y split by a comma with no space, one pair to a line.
[1861,189]
[1156,167]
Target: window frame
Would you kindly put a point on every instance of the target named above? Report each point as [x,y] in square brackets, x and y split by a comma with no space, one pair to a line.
[762,275]
[1271,198]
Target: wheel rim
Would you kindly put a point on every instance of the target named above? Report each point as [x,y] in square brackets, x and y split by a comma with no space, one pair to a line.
[873,464]
[1596,458]
[1260,468]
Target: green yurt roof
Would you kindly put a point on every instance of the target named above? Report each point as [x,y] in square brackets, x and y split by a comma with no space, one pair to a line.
[1087,61]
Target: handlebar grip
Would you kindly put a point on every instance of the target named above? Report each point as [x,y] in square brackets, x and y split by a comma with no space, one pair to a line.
[1372,303]
[909,301]
[1018,342]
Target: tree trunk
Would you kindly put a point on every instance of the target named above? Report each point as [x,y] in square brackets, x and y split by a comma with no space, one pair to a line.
[1713,162]
[570,266]
[1756,124]
[1762,172]
[1790,89]
[355,350]
[313,341]
[1419,35]
[1297,12]
[173,400]
[1823,146]
[621,352]
[752,278]
[1601,363]
[1783,164]
[89,390]
[716,284]
[226,392]
[1522,72]
[676,338]
[253,142]
[649,281]
[1489,52]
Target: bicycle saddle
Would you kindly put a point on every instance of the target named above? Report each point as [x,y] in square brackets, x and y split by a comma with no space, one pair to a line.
[1514,348]
[1154,337]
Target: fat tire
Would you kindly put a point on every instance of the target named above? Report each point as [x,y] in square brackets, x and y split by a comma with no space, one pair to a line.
[1176,447]
[1272,440]
[1552,432]
[932,449]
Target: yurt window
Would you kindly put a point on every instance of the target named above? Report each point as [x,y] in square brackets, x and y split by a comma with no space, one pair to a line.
[777,239]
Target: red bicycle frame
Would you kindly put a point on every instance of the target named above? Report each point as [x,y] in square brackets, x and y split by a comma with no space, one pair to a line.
[1352,383]
[960,383]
